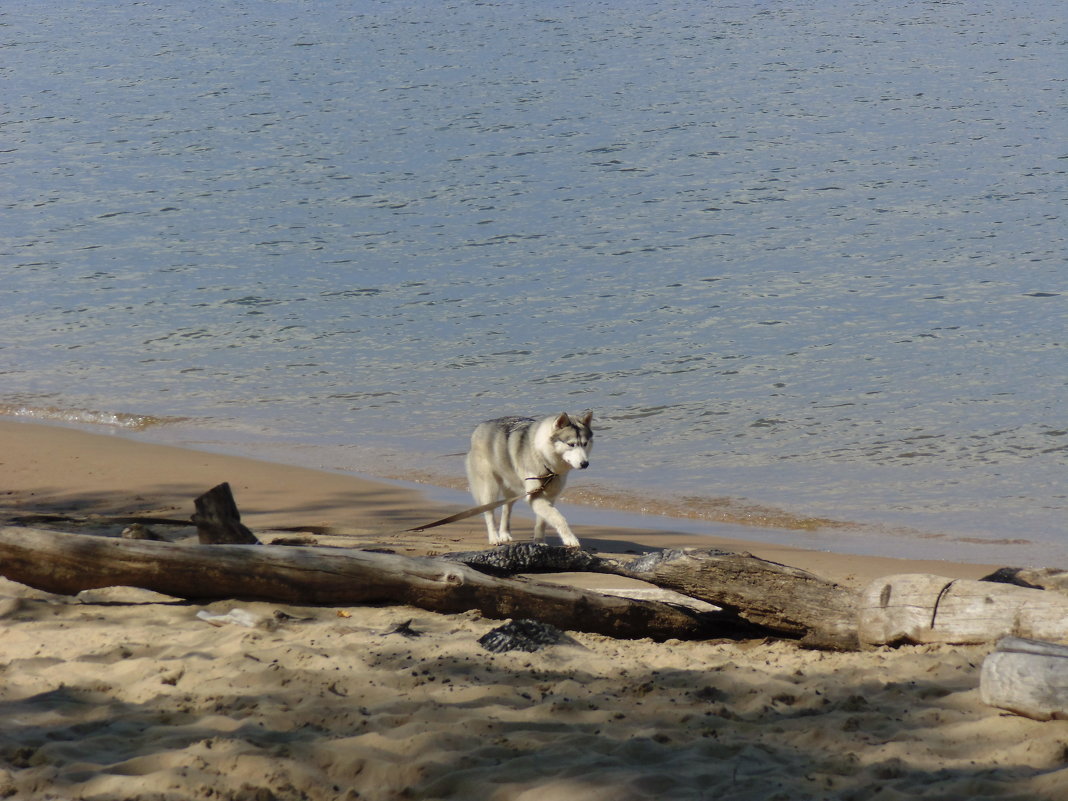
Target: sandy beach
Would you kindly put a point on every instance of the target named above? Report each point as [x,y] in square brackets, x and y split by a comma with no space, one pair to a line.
[121,693]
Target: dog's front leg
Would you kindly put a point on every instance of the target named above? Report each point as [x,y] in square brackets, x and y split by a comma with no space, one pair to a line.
[547,513]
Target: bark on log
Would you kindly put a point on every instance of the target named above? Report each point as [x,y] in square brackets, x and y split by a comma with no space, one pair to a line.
[69,563]
[532,557]
[1028,677]
[218,521]
[787,600]
[921,608]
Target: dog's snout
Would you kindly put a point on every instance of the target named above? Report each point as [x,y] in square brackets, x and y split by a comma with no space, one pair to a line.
[583,464]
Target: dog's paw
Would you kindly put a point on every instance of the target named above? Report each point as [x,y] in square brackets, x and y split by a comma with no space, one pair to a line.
[501,538]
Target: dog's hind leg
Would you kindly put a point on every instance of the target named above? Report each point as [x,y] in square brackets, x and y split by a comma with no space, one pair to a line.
[491,527]
[488,493]
[547,513]
[487,489]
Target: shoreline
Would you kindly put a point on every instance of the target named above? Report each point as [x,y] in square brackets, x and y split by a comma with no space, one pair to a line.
[587,502]
[57,467]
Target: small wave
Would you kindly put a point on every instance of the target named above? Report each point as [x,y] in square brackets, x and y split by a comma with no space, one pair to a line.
[123,420]
[733,511]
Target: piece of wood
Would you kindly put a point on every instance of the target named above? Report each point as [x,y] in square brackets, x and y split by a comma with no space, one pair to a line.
[217,520]
[1037,578]
[777,599]
[783,599]
[1028,677]
[69,563]
[922,608]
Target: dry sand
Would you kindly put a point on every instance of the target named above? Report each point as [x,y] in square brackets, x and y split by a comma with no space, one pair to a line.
[121,694]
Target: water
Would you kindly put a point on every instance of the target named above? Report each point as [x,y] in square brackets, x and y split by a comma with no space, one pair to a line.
[805,261]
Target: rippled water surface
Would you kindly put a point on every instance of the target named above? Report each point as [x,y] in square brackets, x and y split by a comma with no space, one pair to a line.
[804,256]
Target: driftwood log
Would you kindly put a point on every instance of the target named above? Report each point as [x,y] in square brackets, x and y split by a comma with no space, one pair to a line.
[921,608]
[785,600]
[1028,677]
[69,563]
[756,597]
[780,600]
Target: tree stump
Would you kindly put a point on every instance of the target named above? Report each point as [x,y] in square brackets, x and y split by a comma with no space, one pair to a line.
[217,520]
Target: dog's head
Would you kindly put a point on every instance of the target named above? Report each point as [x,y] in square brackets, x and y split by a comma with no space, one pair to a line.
[573,439]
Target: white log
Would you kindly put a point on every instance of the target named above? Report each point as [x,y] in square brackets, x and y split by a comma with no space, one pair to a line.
[1027,677]
[922,608]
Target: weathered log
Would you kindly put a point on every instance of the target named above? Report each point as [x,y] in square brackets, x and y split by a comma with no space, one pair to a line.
[1028,677]
[778,599]
[786,600]
[921,608]
[69,563]
[217,520]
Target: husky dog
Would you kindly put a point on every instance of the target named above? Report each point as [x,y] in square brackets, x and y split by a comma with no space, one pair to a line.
[510,456]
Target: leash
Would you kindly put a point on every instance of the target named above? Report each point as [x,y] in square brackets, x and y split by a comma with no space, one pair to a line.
[545,480]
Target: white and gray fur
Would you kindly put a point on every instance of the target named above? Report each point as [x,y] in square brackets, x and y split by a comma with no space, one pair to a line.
[514,455]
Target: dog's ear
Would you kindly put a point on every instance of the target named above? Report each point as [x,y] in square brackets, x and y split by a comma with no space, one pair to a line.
[587,418]
[563,421]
